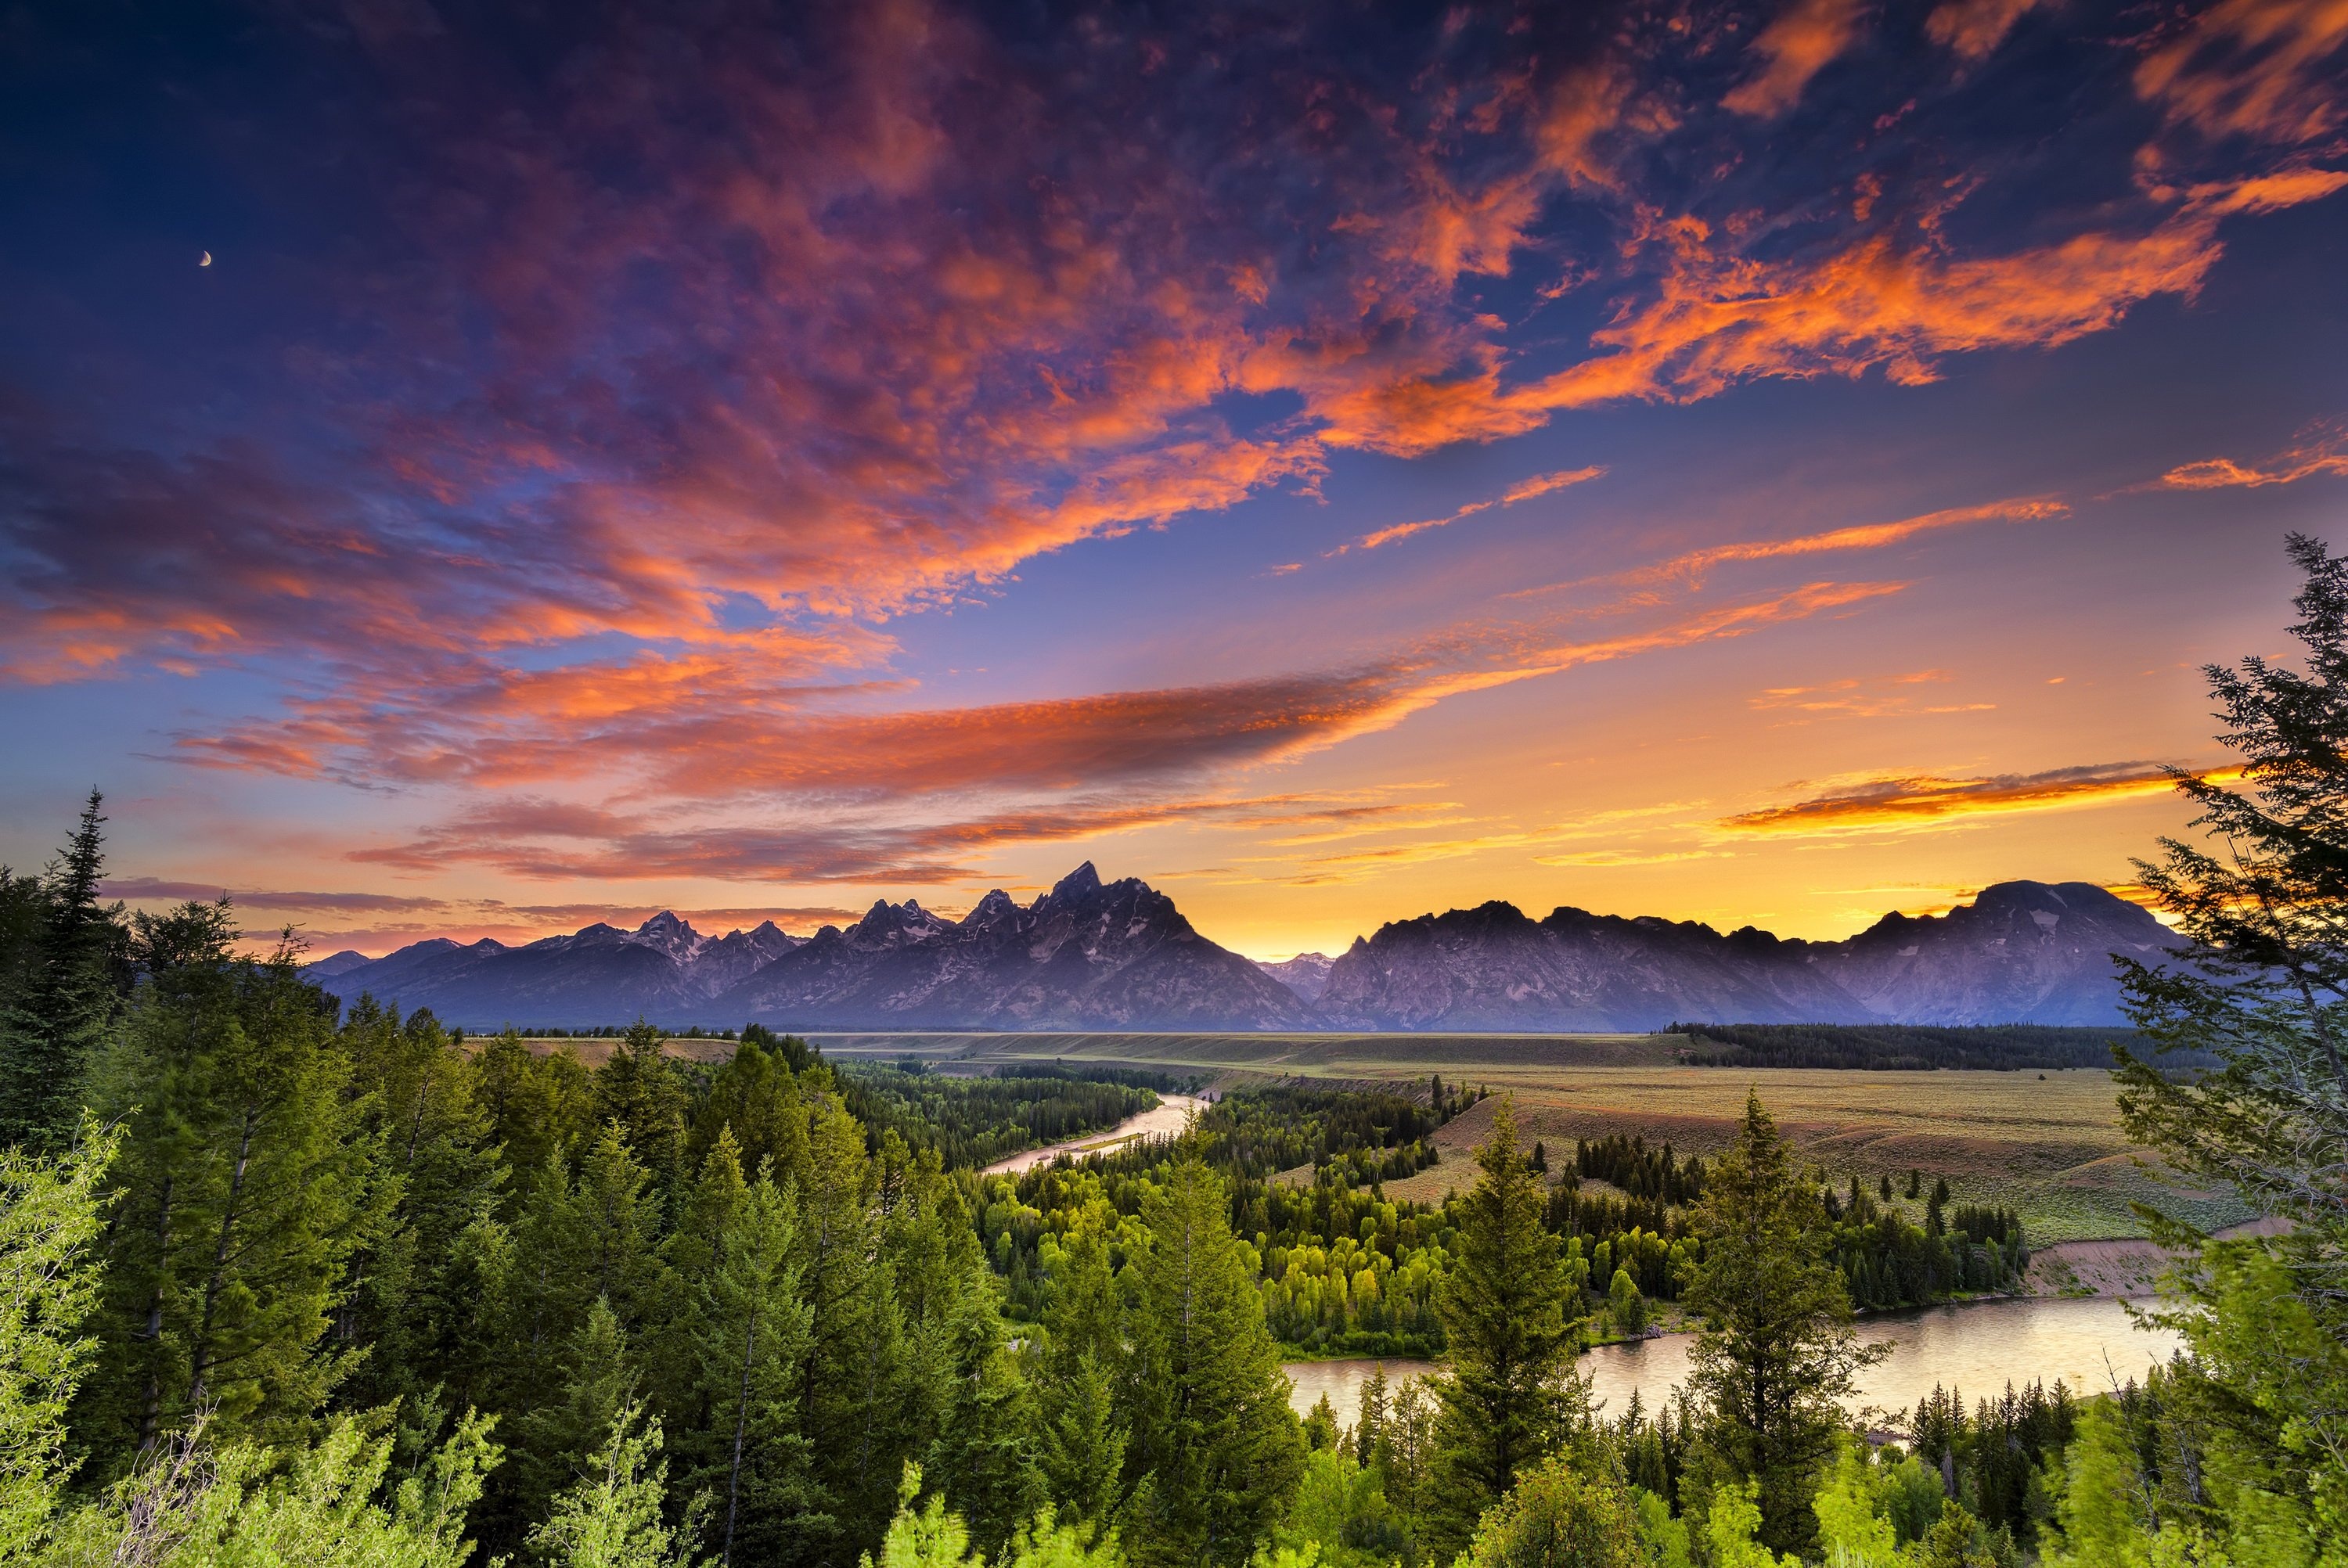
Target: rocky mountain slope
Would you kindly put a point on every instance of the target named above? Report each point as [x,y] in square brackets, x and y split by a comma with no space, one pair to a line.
[2023,952]
[664,969]
[1086,954]
[1304,974]
[1091,955]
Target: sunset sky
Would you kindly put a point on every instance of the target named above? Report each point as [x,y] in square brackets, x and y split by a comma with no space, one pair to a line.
[1766,464]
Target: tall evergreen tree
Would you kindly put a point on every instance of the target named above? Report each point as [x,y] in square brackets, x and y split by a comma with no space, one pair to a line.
[1213,1435]
[1508,1394]
[2264,988]
[638,1092]
[250,1181]
[60,990]
[749,1337]
[1777,1349]
[556,1442]
[410,1295]
[1085,1433]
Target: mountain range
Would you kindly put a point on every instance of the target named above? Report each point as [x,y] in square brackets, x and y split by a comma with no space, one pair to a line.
[1091,955]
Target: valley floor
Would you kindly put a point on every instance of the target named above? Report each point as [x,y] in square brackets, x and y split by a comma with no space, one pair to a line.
[2048,1145]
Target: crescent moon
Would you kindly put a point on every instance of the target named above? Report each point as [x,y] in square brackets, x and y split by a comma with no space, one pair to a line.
[207,259]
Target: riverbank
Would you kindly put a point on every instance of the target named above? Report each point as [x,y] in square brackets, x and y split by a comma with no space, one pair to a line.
[1976,1348]
[1168,1117]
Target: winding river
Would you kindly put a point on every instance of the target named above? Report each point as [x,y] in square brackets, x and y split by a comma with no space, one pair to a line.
[1976,1348]
[1162,1120]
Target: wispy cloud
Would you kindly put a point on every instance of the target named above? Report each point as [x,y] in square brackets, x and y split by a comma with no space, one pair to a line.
[1928,802]
[1690,567]
[1525,490]
[2322,451]
[2264,69]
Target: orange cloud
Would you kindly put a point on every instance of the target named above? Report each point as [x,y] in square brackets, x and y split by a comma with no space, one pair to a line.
[1523,490]
[1802,40]
[1719,318]
[2325,452]
[1972,29]
[1691,567]
[1926,803]
[2262,69]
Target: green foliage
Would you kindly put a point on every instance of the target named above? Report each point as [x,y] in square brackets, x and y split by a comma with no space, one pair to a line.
[251,1183]
[933,1537]
[1340,1511]
[612,1517]
[332,1505]
[1508,1394]
[972,1122]
[1776,1350]
[1733,1524]
[1625,1304]
[1213,1434]
[63,971]
[1559,1516]
[2264,990]
[50,1212]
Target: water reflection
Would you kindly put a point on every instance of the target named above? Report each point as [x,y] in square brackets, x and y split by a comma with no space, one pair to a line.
[1976,1349]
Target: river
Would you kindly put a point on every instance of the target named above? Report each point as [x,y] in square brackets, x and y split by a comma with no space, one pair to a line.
[1162,1120]
[1975,1348]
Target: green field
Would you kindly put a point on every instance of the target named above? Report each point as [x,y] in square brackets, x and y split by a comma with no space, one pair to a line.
[2048,1145]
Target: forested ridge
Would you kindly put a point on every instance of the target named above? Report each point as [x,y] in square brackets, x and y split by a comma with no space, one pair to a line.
[284,1281]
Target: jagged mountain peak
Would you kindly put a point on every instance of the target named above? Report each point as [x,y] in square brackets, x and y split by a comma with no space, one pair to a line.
[667,933]
[996,906]
[1081,883]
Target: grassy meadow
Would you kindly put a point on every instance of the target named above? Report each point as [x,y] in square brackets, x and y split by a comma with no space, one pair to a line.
[2048,1145]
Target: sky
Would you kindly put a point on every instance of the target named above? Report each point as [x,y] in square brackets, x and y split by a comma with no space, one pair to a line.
[480,469]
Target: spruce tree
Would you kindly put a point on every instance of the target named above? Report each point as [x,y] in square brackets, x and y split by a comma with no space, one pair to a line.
[1507,1393]
[1777,1349]
[851,1382]
[250,1183]
[1086,1434]
[2264,988]
[68,984]
[1213,1435]
[412,1302]
[750,1339]
[556,1442]
[637,1092]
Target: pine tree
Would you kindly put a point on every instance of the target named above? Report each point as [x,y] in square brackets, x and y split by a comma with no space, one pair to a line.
[637,1092]
[757,1096]
[1213,1433]
[750,1337]
[851,1384]
[1509,1393]
[557,1442]
[1777,1349]
[70,975]
[250,1183]
[2264,988]
[412,1300]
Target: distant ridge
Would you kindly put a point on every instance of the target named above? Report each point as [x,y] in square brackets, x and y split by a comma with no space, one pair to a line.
[1091,955]
[2022,952]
